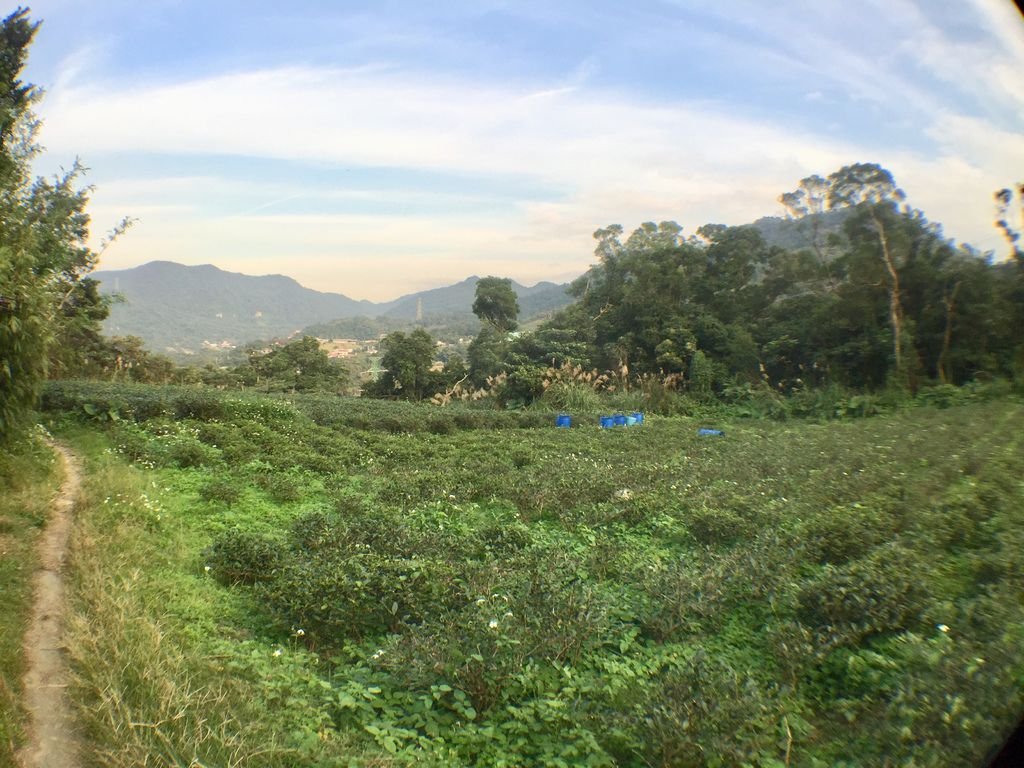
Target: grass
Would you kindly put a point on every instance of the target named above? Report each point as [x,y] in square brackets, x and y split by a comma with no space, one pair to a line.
[541,595]
[143,634]
[28,481]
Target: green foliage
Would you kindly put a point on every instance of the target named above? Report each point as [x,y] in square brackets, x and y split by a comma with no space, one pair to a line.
[25,335]
[298,366]
[572,397]
[28,480]
[486,355]
[441,586]
[242,557]
[879,593]
[495,303]
[678,723]
[878,301]
[406,361]
[50,311]
[221,489]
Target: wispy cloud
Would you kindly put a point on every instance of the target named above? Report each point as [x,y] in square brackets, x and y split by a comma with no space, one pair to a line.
[600,152]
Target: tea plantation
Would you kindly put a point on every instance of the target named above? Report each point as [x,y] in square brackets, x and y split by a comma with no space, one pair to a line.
[329,582]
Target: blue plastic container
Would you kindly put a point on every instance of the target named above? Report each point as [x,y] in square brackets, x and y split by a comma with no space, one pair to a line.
[607,422]
[639,417]
[705,431]
[563,420]
[620,420]
[630,421]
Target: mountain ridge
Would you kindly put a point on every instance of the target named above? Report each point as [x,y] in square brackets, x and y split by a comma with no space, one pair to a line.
[182,309]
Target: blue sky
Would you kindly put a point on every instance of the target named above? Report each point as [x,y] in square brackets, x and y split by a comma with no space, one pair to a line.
[379,148]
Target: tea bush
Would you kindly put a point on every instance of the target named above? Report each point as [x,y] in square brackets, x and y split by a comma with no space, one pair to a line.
[242,557]
[458,585]
[221,489]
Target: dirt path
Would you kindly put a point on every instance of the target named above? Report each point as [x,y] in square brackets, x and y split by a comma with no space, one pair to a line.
[51,740]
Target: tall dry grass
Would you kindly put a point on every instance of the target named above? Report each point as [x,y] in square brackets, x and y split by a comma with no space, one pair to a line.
[29,478]
[147,695]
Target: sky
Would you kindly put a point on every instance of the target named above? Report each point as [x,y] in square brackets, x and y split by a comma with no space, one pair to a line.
[383,147]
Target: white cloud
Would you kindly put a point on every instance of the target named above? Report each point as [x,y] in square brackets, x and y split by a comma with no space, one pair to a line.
[616,158]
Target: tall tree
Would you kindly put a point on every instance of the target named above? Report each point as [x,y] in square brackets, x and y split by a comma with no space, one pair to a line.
[807,205]
[496,303]
[1011,223]
[1005,218]
[49,310]
[871,190]
[25,298]
[406,360]
[298,366]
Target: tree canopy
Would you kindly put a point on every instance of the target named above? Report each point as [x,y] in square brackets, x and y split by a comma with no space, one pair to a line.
[884,300]
[50,310]
[496,303]
[298,366]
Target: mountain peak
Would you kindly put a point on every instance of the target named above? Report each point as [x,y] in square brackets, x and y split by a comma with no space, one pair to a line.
[173,306]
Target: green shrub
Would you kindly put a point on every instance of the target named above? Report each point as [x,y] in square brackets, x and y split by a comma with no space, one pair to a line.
[674,721]
[199,404]
[840,534]
[282,487]
[238,556]
[879,593]
[573,397]
[342,595]
[718,526]
[221,489]
[441,424]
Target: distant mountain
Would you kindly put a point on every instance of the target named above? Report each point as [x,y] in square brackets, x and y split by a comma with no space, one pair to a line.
[458,299]
[795,234]
[174,307]
[182,310]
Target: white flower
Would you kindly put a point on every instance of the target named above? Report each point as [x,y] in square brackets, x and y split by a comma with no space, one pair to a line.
[300,632]
[207,568]
[942,628]
[377,654]
[625,494]
[278,652]
[493,624]
[481,600]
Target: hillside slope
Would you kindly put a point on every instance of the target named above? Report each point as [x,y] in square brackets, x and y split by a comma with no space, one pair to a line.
[174,307]
[180,309]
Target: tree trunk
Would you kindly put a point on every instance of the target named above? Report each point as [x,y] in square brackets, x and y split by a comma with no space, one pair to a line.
[895,299]
[947,337]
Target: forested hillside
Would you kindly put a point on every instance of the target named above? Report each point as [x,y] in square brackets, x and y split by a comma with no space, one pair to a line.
[875,298]
[180,310]
[175,307]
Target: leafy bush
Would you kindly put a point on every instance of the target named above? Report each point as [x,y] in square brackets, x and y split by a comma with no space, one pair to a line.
[573,397]
[675,722]
[241,557]
[282,487]
[222,489]
[202,405]
[470,591]
[840,534]
[346,595]
[879,593]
